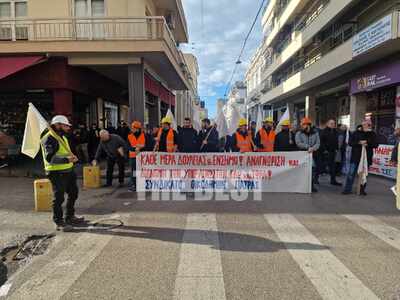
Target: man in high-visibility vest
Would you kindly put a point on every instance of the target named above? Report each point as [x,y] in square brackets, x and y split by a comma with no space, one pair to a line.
[167,137]
[137,143]
[241,139]
[265,138]
[59,166]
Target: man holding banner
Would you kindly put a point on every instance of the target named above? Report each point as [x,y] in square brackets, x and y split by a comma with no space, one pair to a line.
[265,138]
[242,140]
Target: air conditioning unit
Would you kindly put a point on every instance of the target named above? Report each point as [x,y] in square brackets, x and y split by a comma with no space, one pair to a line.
[171,20]
[5,33]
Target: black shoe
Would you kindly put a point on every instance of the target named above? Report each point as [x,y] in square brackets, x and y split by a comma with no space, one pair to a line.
[362,191]
[316,182]
[64,227]
[335,183]
[74,220]
[106,185]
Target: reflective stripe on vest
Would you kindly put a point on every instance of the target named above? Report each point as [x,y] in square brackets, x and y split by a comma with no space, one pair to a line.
[243,143]
[63,151]
[170,139]
[267,140]
[138,143]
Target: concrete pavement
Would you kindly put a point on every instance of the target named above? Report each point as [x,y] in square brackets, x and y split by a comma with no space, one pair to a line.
[322,246]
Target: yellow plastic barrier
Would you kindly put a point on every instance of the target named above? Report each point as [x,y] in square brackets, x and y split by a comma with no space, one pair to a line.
[91,177]
[43,195]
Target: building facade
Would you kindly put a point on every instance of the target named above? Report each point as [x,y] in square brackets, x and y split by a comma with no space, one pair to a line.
[236,102]
[96,61]
[329,59]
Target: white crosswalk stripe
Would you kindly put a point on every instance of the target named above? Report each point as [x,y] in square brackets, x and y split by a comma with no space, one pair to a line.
[332,279]
[373,225]
[200,270]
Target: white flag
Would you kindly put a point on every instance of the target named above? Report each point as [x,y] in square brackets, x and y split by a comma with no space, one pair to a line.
[259,119]
[196,119]
[34,127]
[171,116]
[285,117]
[363,166]
[222,126]
[234,120]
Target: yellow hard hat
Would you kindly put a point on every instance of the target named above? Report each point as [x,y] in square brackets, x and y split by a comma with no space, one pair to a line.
[242,122]
[269,120]
[286,123]
[166,120]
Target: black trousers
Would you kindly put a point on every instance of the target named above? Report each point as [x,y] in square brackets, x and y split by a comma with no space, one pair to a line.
[63,183]
[120,161]
[332,165]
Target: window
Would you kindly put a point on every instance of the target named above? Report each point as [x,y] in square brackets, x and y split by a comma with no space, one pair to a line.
[5,10]
[21,9]
[87,8]
[97,8]
[80,8]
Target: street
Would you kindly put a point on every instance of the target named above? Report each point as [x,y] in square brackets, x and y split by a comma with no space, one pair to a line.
[287,246]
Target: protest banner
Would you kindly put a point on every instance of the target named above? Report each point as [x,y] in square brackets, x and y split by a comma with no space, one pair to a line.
[288,172]
[381,164]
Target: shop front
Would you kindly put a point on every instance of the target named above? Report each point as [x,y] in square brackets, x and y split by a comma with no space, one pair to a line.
[380,87]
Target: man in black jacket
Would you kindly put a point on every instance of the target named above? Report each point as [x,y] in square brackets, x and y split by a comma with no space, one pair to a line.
[208,137]
[330,145]
[285,140]
[360,138]
[188,138]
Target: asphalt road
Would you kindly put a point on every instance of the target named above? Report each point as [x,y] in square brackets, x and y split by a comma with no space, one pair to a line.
[323,246]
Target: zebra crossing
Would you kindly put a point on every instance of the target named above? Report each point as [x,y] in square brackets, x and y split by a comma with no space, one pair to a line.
[203,255]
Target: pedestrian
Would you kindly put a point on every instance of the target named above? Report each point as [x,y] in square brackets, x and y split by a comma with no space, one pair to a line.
[123,130]
[285,141]
[394,157]
[253,130]
[241,140]
[307,139]
[82,138]
[208,137]
[93,141]
[150,141]
[265,138]
[330,146]
[167,137]
[114,148]
[363,137]
[59,166]
[137,143]
[188,138]
[111,129]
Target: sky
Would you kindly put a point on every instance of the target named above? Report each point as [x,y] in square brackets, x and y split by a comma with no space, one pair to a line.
[217,30]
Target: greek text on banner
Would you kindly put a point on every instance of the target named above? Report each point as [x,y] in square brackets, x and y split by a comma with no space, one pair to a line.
[220,172]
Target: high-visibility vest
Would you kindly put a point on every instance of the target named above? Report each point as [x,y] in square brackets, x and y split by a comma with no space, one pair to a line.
[170,139]
[267,140]
[63,151]
[244,143]
[137,143]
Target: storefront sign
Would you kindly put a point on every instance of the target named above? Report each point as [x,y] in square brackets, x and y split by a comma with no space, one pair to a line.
[223,172]
[376,78]
[372,36]
[382,165]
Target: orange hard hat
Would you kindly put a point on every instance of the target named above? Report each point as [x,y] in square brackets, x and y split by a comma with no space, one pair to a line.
[137,125]
[306,121]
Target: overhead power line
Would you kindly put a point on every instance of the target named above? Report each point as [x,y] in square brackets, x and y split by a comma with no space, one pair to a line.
[238,61]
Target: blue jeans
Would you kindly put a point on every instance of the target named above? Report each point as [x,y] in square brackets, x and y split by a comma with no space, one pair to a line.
[351,176]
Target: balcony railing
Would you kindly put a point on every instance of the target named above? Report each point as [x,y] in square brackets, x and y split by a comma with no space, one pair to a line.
[89,29]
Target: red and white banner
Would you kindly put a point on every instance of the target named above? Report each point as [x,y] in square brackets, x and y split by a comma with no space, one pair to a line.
[381,164]
[288,172]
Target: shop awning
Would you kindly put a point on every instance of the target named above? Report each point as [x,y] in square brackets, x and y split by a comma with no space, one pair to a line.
[157,89]
[13,64]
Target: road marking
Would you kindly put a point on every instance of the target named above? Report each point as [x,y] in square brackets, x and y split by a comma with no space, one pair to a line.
[200,269]
[328,274]
[386,233]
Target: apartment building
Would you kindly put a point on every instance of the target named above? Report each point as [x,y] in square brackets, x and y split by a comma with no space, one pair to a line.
[329,59]
[96,61]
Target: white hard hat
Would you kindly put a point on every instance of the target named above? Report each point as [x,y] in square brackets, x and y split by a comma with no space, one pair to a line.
[60,120]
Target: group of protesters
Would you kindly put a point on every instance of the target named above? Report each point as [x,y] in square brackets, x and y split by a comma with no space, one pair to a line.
[335,149]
